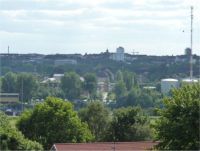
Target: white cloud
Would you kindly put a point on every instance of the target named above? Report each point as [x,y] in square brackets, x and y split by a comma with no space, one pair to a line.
[96,18]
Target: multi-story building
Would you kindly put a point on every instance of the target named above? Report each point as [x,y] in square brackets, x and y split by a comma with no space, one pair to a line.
[119,55]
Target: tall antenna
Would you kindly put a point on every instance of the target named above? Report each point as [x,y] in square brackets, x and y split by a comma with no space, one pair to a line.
[8,49]
[191,42]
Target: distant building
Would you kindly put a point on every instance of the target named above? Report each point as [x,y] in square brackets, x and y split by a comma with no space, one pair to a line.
[9,98]
[58,76]
[149,87]
[188,51]
[189,81]
[65,61]
[168,84]
[53,82]
[119,55]
[102,85]
[186,57]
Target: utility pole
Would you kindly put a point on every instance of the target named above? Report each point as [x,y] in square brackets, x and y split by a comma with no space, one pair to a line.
[191,45]
[22,90]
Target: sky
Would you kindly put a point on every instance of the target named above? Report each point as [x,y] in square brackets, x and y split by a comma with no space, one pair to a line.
[152,27]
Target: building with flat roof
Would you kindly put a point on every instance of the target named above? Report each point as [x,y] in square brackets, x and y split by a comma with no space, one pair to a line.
[9,98]
[104,146]
[119,55]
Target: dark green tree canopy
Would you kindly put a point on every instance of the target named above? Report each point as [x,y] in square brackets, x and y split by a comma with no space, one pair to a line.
[54,121]
[128,79]
[71,85]
[90,83]
[9,82]
[23,83]
[120,89]
[26,85]
[12,139]
[128,124]
[97,117]
[178,127]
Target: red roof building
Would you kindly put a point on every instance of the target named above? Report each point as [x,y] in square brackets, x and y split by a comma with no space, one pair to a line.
[104,146]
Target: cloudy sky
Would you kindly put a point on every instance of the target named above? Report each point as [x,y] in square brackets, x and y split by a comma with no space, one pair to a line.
[154,27]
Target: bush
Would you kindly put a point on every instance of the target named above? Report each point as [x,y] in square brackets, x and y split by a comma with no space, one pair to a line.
[12,139]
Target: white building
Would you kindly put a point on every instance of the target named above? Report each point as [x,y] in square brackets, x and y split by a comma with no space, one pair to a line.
[189,81]
[58,76]
[119,55]
[168,84]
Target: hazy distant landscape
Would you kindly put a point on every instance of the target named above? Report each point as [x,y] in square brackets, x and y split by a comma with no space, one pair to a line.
[99,75]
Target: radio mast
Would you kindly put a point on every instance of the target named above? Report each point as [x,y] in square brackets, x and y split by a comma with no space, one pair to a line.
[8,50]
[191,45]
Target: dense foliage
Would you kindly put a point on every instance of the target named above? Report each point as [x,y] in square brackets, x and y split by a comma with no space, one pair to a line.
[53,121]
[23,83]
[9,82]
[178,127]
[90,83]
[71,85]
[12,139]
[97,116]
[128,124]
[27,84]
[150,67]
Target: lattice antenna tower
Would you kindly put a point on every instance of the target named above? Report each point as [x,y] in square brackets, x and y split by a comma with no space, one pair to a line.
[191,44]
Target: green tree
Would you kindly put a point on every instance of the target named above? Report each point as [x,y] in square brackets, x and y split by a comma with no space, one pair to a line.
[26,85]
[53,121]
[120,90]
[12,139]
[132,97]
[128,79]
[9,83]
[145,100]
[178,127]
[129,124]
[97,117]
[71,85]
[44,91]
[119,75]
[90,83]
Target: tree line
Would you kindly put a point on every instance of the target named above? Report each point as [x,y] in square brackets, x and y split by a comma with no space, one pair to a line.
[72,86]
[55,120]
[29,86]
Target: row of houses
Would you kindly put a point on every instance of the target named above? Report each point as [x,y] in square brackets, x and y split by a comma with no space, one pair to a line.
[103,83]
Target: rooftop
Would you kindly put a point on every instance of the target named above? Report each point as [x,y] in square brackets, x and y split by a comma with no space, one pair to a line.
[169,79]
[104,146]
